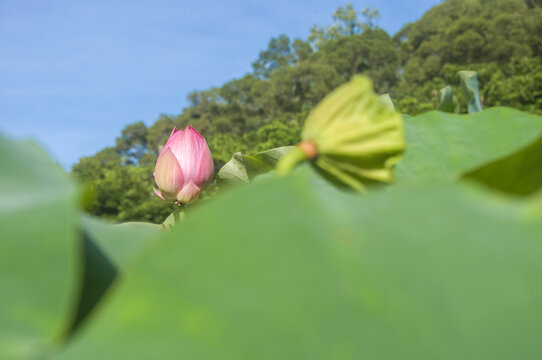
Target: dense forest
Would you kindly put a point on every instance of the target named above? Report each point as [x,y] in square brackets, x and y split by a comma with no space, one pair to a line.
[500,39]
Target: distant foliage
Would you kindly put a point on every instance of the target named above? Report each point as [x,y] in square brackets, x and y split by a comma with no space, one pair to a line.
[497,38]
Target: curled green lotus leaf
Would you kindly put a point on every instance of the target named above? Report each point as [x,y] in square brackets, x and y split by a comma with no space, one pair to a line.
[351,138]
[469,85]
[448,101]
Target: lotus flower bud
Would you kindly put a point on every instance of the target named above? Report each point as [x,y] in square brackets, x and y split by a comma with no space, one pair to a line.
[184,167]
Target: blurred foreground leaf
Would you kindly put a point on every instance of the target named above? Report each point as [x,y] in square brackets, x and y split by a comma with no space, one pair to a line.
[441,147]
[519,173]
[121,243]
[108,250]
[286,273]
[386,101]
[39,251]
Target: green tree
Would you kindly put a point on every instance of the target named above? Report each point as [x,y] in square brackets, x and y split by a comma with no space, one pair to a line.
[300,87]
[345,23]
[132,143]
[371,53]
[278,54]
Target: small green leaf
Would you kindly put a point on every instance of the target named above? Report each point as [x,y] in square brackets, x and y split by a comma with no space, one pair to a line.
[241,169]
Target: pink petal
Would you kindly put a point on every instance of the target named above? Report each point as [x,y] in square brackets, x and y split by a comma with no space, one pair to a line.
[170,138]
[168,174]
[158,193]
[188,146]
[206,169]
[189,193]
[194,132]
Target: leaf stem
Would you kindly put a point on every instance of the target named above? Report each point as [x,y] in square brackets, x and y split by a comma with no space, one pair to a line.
[175,218]
[179,215]
[289,161]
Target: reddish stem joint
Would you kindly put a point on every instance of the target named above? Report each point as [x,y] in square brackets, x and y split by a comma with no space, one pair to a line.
[309,148]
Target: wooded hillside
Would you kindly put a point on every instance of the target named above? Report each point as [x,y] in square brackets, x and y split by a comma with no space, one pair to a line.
[500,39]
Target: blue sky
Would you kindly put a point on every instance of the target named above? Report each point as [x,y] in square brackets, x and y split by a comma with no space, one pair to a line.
[74,73]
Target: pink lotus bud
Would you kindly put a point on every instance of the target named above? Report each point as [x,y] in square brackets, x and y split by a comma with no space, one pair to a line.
[184,167]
